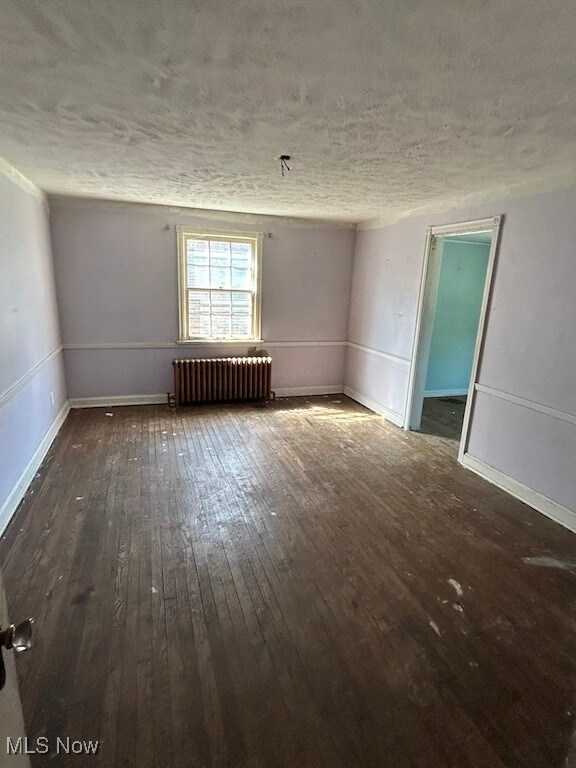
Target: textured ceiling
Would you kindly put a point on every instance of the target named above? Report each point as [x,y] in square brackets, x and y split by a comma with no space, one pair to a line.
[385,107]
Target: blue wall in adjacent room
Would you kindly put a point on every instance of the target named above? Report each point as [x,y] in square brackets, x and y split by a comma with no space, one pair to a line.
[462,276]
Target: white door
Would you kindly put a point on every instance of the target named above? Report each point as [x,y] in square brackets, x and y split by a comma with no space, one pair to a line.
[11,720]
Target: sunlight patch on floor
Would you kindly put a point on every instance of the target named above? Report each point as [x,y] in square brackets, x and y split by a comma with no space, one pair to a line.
[327,413]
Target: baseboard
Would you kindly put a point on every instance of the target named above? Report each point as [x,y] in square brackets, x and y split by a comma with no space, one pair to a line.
[334,389]
[18,492]
[543,504]
[395,418]
[113,400]
[445,392]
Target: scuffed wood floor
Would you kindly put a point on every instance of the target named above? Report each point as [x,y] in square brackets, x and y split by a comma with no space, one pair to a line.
[298,585]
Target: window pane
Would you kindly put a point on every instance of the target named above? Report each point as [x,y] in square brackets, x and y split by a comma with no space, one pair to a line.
[241,255]
[198,301]
[199,325]
[198,277]
[220,281]
[221,325]
[242,303]
[219,277]
[219,254]
[198,313]
[241,278]
[197,251]
[241,326]
[221,302]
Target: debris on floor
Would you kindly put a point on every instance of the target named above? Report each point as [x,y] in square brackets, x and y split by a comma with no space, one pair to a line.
[551,562]
[435,627]
[457,586]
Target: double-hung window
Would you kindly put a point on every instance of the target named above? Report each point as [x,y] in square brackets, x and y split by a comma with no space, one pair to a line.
[219,275]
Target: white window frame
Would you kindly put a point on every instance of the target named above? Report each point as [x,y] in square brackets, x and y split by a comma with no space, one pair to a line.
[255,238]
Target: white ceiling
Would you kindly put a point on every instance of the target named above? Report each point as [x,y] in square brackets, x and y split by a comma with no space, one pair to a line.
[385,106]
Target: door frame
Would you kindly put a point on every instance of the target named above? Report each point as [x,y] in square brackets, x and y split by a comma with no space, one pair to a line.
[492,224]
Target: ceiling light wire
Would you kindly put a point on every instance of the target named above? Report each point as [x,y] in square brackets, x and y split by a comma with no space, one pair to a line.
[284,163]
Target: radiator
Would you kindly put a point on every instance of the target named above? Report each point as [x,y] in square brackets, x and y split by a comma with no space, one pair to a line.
[222,379]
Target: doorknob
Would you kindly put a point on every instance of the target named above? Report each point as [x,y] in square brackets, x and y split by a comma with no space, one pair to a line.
[18,637]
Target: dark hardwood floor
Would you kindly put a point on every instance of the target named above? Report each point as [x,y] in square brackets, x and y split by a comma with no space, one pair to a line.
[444,417]
[298,585]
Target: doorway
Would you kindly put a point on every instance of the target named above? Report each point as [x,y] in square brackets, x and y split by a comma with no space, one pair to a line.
[454,294]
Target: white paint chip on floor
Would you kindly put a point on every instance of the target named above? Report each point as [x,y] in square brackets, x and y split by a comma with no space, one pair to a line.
[457,586]
[435,627]
[551,562]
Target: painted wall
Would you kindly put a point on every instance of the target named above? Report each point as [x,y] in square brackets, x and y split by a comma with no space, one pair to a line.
[31,361]
[116,272]
[530,344]
[458,303]
[384,295]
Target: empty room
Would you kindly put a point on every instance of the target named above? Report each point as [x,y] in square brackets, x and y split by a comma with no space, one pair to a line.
[287,384]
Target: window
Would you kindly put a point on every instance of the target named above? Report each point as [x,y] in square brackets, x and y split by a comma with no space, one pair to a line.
[219,285]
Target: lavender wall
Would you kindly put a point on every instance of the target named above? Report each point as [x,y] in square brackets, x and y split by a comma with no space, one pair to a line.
[384,296]
[530,344]
[32,366]
[116,273]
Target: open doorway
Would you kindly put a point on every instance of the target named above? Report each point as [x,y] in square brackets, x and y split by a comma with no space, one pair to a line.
[454,293]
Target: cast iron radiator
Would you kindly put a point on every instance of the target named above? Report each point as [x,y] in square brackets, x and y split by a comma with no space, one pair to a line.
[221,379]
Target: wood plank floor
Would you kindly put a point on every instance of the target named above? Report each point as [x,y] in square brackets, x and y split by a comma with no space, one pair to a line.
[298,585]
[444,418]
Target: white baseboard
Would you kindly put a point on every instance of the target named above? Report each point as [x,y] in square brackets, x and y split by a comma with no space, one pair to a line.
[17,493]
[543,504]
[445,392]
[112,400]
[334,389]
[395,418]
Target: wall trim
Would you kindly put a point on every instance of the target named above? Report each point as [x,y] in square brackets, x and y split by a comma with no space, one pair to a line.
[445,392]
[124,345]
[378,353]
[178,345]
[556,414]
[18,491]
[305,343]
[540,503]
[15,388]
[334,389]
[389,415]
[214,344]
[110,401]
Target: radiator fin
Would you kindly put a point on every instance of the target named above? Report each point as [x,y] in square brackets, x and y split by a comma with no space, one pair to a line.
[222,379]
